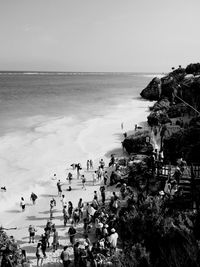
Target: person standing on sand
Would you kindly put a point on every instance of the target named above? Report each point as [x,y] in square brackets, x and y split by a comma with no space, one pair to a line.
[65,257]
[55,242]
[80,208]
[32,231]
[83,181]
[91,164]
[105,177]
[69,177]
[94,177]
[88,165]
[33,197]
[22,204]
[78,167]
[39,254]
[59,188]
[72,232]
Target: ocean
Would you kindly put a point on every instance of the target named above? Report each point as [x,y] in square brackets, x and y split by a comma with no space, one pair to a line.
[51,120]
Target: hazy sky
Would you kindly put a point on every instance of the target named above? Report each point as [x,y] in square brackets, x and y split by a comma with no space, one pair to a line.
[98,35]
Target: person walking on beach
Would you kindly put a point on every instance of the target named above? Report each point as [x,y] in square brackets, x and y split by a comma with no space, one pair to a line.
[63,201]
[22,204]
[32,231]
[80,208]
[70,209]
[69,177]
[78,167]
[65,257]
[105,177]
[39,254]
[55,242]
[33,197]
[65,215]
[91,164]
[103,194]
[52,205]
[59,188]
[83,181]
[88,164]
[94,177]
[72,233]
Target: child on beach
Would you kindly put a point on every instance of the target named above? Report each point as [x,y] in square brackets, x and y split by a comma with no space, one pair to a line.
[22,204]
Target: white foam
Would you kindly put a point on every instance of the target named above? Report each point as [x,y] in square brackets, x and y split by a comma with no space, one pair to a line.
[46,145]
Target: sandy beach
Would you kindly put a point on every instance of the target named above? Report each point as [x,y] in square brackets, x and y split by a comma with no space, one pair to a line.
[38,215]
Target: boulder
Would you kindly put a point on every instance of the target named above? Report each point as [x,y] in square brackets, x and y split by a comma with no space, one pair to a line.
[137,143]
[151,92]
[162,104]
[193,68]
[158,117]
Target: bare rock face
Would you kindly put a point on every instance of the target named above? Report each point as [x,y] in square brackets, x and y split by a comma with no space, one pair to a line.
[137,143]
[158,117]
[184,143]
[151,92]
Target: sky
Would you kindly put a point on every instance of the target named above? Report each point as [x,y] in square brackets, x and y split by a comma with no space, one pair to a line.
[98,35]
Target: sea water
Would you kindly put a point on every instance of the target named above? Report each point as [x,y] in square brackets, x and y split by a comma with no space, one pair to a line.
[50,120]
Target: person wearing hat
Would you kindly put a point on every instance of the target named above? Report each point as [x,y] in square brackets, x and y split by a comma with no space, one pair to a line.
[113,241]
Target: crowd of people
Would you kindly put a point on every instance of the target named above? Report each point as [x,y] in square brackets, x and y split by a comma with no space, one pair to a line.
[94,221]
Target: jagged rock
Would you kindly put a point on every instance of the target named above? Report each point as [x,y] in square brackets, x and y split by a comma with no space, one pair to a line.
[158,117]
[177,110]
[162,104]
[137,143]
[151,92]
[184,144]
[193,68]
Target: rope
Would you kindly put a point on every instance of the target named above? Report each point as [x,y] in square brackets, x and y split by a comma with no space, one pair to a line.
[188,104]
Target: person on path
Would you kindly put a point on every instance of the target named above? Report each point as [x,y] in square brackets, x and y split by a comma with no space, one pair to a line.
[72,233]
[22,204]
[33,197]
[65,257]
[39,254]
[32,231]
[59,186]
[83,181]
